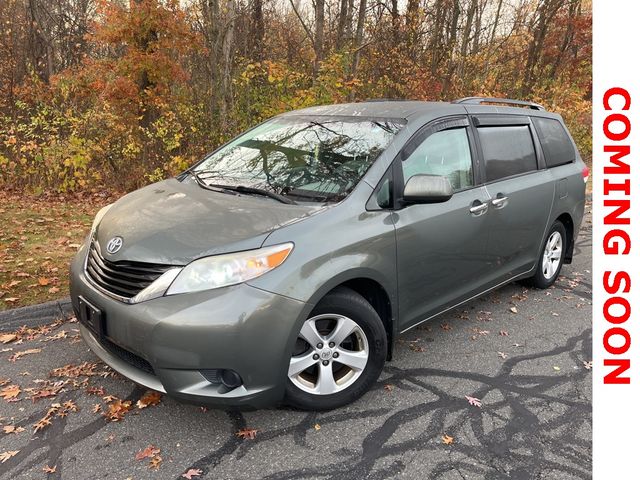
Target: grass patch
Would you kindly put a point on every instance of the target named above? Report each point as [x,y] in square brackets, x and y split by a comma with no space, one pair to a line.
[38,238]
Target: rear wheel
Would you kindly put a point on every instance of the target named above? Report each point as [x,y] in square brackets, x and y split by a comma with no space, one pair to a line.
[552,257]
[339,353]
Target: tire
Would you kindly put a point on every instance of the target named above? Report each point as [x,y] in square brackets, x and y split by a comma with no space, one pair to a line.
[548,269]
[340,312]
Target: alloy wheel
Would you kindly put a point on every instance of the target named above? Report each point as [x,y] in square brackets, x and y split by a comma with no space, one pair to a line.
[551,255]
[331,353]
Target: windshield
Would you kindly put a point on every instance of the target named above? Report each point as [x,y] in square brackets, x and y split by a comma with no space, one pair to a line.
[318,158]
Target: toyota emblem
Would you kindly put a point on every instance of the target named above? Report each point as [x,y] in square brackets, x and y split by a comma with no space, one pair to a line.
[114,244]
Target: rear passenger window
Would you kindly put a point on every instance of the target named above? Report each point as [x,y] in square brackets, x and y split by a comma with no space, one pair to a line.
[556,144]
[507,151]
[444,153]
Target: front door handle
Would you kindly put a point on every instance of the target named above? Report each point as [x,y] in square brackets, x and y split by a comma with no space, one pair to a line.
[479,208]
[500,201]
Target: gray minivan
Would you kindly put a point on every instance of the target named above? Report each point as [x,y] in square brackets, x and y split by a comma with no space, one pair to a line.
[284,264]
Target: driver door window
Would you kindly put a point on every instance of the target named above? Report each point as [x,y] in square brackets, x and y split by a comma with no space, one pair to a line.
[444,153]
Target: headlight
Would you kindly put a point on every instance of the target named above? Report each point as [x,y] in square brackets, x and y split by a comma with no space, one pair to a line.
[99,215]
[224,270]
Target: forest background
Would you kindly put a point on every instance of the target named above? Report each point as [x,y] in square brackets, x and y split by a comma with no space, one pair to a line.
[108,95]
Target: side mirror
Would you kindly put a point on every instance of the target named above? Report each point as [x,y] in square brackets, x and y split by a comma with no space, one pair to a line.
[427,189]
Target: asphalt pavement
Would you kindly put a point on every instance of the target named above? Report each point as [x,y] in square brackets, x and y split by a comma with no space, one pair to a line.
[523,354]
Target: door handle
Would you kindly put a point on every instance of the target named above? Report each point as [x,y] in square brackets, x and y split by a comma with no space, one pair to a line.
[500,201]
[479,208]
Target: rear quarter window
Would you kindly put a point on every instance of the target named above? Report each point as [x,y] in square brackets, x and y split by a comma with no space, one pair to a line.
[507,151]
[556,144]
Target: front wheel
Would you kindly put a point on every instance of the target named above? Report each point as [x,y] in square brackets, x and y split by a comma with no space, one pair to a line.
[552,257]
[339,353]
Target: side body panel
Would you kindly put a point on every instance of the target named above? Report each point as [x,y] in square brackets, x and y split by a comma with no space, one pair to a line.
[441,255]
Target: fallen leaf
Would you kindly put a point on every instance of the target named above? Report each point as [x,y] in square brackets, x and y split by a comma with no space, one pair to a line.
[29,351]
[96,391]
[192,472]
[42,423]
[513,310]
[11,299]
[4,456]
[555,314]
[155,462]
[445,326]
[70,406]
[316,427]
[96,408]
[473,401]
[150,398]
[44,281]
[247,433]
[12,391]
[447,440]
[54,290]
[588,365]
[117,410]
[12,429]
[388,387]
[58,336]
[504,333]
[148,452]
[8,337]
[45,393]
[48,469]
[557,369]
[502,355]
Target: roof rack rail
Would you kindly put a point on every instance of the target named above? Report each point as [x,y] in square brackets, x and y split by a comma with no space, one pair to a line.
[373,100]
[505,101]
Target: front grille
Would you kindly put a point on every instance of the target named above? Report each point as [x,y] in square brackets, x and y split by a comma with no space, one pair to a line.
[124,278]
[127,356]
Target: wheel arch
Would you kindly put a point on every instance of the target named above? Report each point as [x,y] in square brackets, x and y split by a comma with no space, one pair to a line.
[567,221]
[373,288]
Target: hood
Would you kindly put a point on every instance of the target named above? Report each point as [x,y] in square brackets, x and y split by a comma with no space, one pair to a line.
[173,222]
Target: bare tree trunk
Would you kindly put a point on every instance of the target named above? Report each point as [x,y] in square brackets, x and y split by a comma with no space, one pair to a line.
[145,38]
[437,35]
[219,33]
[395,17]
[227,50]
[546,13]
[359,43]
[342,24]
[495,22]
[257,27]
[478,27]
[466,34]
[349,26]
[318,38]
[572,12]
[452,41]
[412,28]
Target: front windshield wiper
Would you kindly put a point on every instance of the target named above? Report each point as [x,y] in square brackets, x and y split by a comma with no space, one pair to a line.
[254,191]
[204,184]
[200,178]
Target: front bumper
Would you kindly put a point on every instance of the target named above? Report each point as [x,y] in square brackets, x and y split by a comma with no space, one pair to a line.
[165,343]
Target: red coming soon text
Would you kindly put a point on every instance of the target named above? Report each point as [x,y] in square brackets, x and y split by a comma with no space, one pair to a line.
[617,240]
